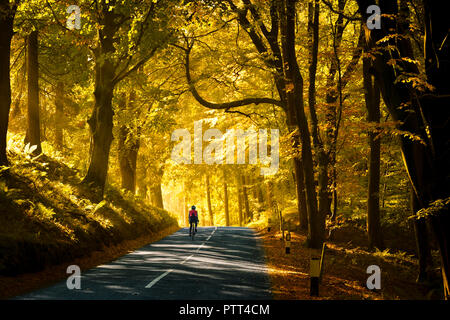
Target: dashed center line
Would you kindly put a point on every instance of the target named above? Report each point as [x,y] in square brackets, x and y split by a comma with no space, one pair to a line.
[151,284]
[155,281]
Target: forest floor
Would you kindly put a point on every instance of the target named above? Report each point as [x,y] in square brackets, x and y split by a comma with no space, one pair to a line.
[345,265]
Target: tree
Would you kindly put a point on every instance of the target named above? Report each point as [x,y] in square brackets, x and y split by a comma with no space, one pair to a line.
[225,199]
[59,115]
[114,61]
[294,97]
[271,54]
[208,200]
[289,83]
[33,136]
[421,107]
[128,147]
[247,212]
[239,196]
[372,97]
[7,13]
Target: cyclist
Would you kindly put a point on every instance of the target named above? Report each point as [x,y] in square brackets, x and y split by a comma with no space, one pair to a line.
[193,219]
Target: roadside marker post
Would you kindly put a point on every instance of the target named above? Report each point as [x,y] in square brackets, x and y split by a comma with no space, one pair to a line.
[314,273]
[288,242]
[316,269]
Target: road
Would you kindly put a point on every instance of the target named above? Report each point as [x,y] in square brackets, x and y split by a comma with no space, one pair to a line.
[220,263]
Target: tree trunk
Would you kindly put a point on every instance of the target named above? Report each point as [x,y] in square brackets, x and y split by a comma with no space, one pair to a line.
[185,202]
[301,195]
[298,171]
[6,33]
[143,189]
[313,32]
[259,192]
[240,212]
[372,97]
[424,114]
[252,182]
[156,196]
[422,243]
[440,223]
[247,215]
[101,120]
[273,60]
[294,93]
[333,105]
[33,136]
[101,125]
[225,191]
[208,200]
[269,192]
[240,198]
[128,148]
[335,195]
[437,112]
[59,115]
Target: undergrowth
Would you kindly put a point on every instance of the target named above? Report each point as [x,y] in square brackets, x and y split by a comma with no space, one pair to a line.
[48,217]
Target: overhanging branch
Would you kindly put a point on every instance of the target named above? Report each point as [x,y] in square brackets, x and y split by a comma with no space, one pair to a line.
[225,105]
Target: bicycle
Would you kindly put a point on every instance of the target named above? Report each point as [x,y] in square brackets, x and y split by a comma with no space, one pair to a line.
[192,230]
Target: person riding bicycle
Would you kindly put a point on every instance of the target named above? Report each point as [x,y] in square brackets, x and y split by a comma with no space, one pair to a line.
[193,219]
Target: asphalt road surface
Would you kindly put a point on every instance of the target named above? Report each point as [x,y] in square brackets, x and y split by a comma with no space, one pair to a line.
[220,263]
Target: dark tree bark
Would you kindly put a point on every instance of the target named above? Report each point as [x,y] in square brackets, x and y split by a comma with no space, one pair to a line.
[298,171]
[294,94]
[424,113]
[252,182]
[225,194]
[208,200]
[372,97]
[335,195]
[270,195]
[128,148]
[186,209]
[7,13]
[437,113]
[247,215]
[322,156]
[33,136]
[143,189]
[59,115]
[101,120]
[422,243]
[240,204]
[259,191]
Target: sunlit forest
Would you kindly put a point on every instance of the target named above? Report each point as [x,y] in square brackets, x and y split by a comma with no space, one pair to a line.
[319,118]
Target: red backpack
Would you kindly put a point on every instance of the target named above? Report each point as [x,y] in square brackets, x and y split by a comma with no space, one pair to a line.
[193,213]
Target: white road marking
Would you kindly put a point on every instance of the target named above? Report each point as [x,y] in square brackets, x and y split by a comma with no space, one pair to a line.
[151,284]
[155,281]
[186,259]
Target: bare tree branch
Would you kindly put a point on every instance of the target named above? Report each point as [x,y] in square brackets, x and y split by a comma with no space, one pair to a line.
[225,105]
